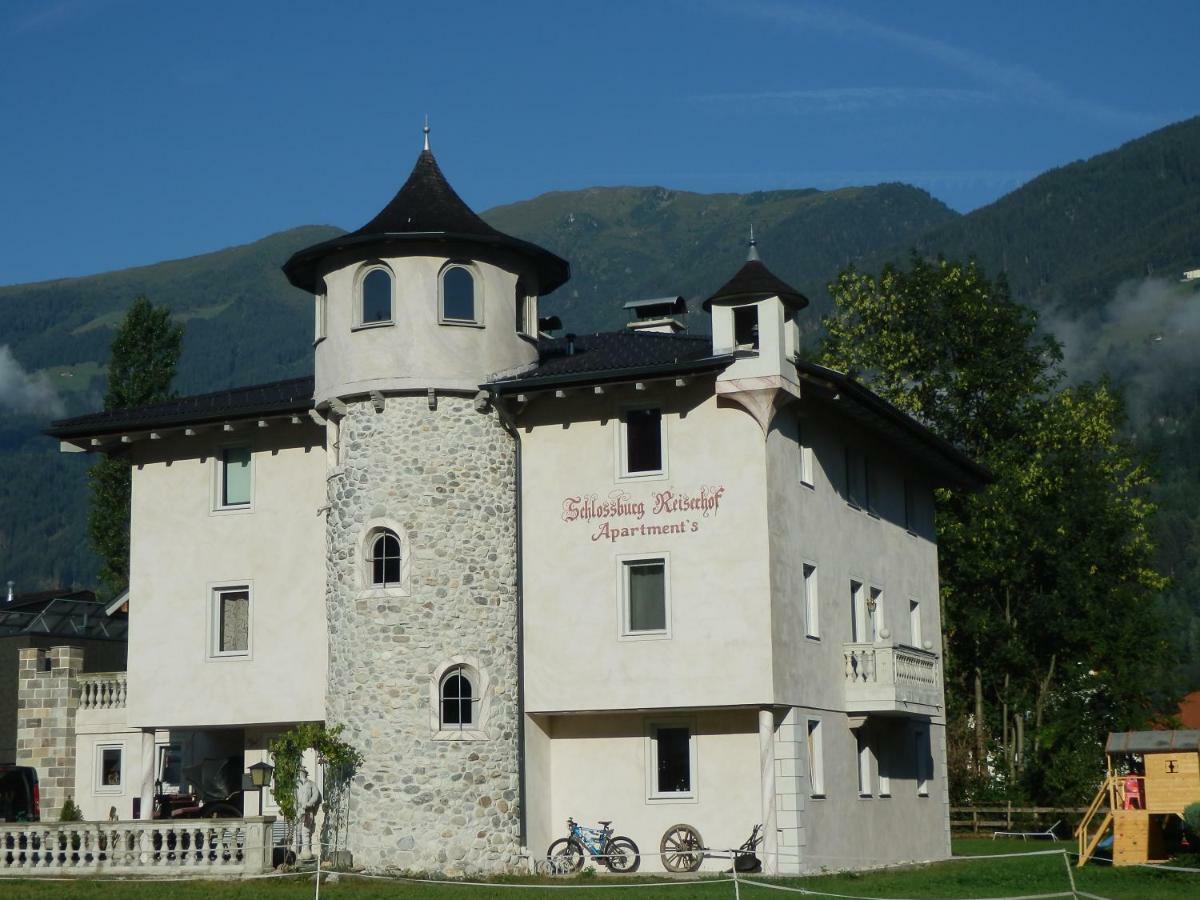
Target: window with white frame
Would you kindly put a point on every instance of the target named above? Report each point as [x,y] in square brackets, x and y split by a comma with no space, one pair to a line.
[859,480]
[812,626]
[816,760]
[672,761]
[645,605]
[458,698]
[168,767]
[864,762]
[230,621]
[924,761]
[883,761]
[642,432]
[806,454]
[110,769]
[858,623]
[459,297]
[914,624]
[745,327]
[384,559]
[320,311]
[234,478]
[910,506]
[526,310]
[375,297]
[874,614]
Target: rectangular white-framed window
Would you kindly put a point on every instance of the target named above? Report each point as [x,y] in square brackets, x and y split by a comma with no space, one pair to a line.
[864,761]
[914,624]
[110,769]
[233,486]
[671,768]
[924,767]
[816,760]
[320,311]
[168,766]
[642,443]
[874,614]
[883,763]
[812,606]
[858,613]
[745,327]
[229,621]
[806,453]
[910,506]
[644,588]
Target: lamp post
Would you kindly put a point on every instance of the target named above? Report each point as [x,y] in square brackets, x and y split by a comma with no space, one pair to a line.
[260,777]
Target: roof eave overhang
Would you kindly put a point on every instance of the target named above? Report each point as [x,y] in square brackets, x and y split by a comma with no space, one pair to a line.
[301,268]
[116,429]
[531,385]
[795,301]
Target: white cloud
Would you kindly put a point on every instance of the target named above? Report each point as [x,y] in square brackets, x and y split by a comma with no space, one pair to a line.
[21,392]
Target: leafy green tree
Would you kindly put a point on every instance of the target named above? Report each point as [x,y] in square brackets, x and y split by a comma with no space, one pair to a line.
[1048,587]
[145,352]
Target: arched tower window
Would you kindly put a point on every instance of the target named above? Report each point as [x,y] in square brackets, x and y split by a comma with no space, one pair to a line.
[458,697]
[376,290]
[383,559]
[460,301]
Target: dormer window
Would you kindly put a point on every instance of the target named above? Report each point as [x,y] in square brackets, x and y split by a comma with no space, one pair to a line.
[745,327]
[459,301]
[376,297]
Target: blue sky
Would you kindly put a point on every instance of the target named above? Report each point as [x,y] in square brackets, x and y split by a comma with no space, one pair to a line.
[140,131]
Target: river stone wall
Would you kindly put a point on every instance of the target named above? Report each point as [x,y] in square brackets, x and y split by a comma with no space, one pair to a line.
[447,478]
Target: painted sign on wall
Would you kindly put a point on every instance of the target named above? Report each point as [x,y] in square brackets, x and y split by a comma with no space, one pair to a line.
[622,515]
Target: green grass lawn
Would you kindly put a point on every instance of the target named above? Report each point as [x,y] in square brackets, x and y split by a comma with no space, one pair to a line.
[980,878]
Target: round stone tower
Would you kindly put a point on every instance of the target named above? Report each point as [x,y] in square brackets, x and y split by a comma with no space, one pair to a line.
[414,311]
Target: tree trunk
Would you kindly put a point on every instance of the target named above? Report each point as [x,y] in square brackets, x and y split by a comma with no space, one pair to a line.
[1040,705]
[980,768]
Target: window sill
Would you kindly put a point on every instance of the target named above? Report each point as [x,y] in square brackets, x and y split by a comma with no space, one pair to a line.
[660,799]
[319,340]
[381,593]
[365,326]
[815,638]
[112,790]
[816,796]
[464,323]
[231,510]
[808,484]
[644,636]
[228,657]
[456,735]
[657,475]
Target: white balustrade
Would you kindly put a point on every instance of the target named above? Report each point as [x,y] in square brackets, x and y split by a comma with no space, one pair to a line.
[102,690]
[883,678]
[184,846]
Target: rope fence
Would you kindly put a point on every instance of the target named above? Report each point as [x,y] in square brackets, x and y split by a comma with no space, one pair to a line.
[737,883]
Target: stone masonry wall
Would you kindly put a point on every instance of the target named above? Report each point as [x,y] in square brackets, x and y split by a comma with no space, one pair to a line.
[47,700]
[446,477]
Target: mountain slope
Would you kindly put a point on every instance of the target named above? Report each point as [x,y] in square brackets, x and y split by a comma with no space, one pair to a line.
[628,243]
[1069,236]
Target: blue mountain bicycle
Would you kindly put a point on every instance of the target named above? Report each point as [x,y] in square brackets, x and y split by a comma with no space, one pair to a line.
[566,855]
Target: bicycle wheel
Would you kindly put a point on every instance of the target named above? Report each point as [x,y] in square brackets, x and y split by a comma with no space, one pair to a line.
[566,856]
[682,849]
[621,855]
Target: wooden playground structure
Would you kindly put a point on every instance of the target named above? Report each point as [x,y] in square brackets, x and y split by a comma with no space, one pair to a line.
[1152,776]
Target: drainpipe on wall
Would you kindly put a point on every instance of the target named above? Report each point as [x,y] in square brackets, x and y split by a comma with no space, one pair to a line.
[10,592]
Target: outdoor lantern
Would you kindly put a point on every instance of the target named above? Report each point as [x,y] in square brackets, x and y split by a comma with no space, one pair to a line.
[260,774]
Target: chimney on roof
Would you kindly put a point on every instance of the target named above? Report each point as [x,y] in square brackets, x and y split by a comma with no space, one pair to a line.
[10,591]
[664,315]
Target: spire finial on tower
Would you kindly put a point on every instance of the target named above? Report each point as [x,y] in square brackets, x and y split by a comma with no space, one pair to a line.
[426,130]
[753,254]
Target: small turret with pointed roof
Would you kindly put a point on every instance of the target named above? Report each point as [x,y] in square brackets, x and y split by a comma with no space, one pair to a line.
[754,318]
[426,208]
[754,281]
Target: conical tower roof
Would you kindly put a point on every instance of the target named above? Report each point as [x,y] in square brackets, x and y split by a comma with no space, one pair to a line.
[754,281]
[426,208]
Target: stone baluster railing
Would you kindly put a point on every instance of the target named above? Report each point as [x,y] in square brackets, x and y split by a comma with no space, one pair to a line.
[916,668]
[102,690]
[860,663]
[191,846]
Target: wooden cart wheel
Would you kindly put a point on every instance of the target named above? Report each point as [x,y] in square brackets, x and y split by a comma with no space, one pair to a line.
[682,849]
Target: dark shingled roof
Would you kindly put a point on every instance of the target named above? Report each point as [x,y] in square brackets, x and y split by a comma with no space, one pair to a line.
[612,355]
[425,208]
[754,281]
[293,395]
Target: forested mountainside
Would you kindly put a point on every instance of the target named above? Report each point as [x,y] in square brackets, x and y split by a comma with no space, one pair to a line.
[1097,247]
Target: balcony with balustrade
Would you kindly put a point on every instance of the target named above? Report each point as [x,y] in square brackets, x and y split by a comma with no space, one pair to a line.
[892,679]
[101,698]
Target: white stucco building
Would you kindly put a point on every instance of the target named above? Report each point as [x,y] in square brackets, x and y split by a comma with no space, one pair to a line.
[648,576]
